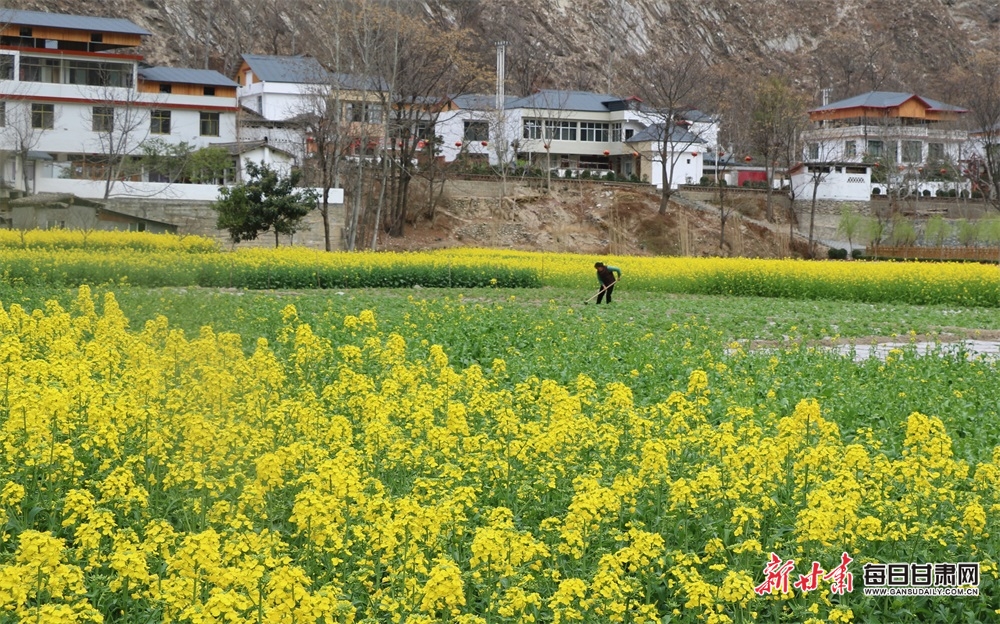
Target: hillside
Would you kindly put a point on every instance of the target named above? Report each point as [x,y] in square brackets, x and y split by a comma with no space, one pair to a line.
[593,219]
[847,45]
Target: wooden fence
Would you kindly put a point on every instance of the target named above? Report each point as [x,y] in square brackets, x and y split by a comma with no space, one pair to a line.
[977,254]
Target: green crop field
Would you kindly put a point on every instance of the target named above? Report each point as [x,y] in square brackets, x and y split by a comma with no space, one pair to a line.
[488,454]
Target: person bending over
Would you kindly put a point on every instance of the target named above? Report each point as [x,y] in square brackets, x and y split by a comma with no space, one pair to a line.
[606,275]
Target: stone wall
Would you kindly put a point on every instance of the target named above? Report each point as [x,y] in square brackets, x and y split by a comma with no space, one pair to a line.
[198,218]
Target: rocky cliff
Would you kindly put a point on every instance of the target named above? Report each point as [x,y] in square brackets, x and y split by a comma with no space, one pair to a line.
[849,45]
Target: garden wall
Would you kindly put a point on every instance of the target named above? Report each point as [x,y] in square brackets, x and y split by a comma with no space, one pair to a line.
[199,218]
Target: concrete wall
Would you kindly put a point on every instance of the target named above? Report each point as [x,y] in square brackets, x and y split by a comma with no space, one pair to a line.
[198,218]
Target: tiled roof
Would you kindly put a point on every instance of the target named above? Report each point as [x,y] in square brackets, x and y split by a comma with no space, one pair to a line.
[584,101]
[306,70]
[886,99]
[295,69]
[476,101]
[72,22]
[182,75]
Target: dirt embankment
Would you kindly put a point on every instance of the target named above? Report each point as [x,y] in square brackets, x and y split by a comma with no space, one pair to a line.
[592,219]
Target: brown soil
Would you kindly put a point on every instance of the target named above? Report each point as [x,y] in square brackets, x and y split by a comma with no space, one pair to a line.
[591,219]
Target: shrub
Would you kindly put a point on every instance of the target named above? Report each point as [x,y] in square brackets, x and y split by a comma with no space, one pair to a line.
[876,191]
[704,181]
[926,193]
[836,253]
[857,253]
[610,176]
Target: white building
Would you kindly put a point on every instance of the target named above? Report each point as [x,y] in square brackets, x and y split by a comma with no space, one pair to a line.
[278,93]
[77,100]
[683,152]
[831,181]
[569,132]
[914,144]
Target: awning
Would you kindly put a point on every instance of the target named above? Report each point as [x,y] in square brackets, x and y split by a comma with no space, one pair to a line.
[40,156]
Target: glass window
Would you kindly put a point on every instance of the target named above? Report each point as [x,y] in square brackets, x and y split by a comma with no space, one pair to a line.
[373,113]
[423,131]
[850,149]
[616,132]
[210,91]
[591,131]
[814,151]
[560,130]
[876,148]
[166,88]
[159,122]
[43,116]
[103,119]
[35,69]
[912,151]
[935,151]
[3,114]
[6,67]
[99,74]
[210,124]
[476,131]
[353,111]
[532,129]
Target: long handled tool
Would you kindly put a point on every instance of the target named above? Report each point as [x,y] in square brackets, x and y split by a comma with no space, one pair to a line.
[606,286]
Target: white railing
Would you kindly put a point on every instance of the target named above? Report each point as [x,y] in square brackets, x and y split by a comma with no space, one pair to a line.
[94,189]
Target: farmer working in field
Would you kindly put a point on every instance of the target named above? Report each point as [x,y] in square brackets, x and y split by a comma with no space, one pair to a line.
[606,276]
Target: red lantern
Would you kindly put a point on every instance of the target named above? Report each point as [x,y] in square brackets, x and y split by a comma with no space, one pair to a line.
[546,148]
[694,154]
[421,144]
[920,169]
[607,152]
[901,167]
[875,165]
[484,143]
[721,154]
[944,171]
[747,158]
[458,144]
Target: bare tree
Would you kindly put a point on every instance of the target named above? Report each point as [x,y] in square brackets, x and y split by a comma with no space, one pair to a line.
[120,118]
[817,168]
[419,68]
[22,131]
[777,116]
[982,98]
[669,87]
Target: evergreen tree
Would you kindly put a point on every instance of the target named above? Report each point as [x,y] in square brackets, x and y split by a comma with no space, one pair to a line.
[267,201]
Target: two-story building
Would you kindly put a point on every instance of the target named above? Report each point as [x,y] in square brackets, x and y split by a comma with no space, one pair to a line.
[282,98]
[77,101]
[570,132]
